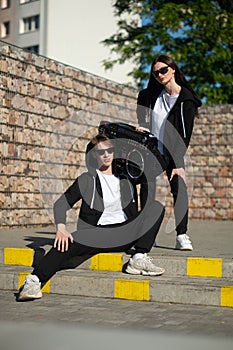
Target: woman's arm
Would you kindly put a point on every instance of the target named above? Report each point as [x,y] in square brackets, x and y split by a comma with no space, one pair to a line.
[177,141]
[188,115]
[142,110]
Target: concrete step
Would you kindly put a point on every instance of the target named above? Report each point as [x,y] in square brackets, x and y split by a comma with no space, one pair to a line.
[174,265]
[108,284]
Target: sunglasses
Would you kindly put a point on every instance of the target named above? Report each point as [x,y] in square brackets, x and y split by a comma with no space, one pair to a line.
[162,70]
[101,152]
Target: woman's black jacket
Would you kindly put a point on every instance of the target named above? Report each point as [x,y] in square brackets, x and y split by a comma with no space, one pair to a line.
[179,123]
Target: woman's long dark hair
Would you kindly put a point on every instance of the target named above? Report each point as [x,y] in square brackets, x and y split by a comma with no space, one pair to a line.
[154,86]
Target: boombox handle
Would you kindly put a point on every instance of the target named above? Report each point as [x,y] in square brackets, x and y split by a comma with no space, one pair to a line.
[124,125]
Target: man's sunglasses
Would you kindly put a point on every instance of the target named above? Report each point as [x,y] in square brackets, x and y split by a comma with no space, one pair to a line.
[101,152]
[162,70]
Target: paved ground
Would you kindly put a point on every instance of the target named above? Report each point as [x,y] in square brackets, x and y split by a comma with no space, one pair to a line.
[68,322]
[122,314]
[154,324]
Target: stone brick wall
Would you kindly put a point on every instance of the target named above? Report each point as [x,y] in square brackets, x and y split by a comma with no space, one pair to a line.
[211,152]
[48,113]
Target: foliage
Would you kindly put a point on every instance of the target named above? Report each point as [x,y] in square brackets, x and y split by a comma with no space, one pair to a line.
[197,34]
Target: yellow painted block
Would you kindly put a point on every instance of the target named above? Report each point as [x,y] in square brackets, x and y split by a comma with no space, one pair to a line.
[132,289]
[107,262]
[18,256]
[21,279]
[227,296]
[205,267]
[46,287]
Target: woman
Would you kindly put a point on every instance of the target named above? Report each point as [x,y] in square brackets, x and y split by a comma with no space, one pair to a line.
[109,221]
[167,108]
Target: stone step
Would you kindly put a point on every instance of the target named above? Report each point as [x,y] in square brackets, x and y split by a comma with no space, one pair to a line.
[108,284]
[174,265]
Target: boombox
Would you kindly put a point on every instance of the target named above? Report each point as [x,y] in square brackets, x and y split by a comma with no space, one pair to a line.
[136,153]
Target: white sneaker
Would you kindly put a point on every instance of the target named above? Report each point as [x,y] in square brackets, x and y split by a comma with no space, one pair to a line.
[143,266]
[31,289]
[183,242]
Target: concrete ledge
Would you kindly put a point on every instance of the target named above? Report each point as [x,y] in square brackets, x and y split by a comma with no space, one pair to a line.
[185,289]
[174,266]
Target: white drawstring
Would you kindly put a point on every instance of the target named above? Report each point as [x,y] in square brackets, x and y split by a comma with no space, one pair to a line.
[182,118]
[93,194]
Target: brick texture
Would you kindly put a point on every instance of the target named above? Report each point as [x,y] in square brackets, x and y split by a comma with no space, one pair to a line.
[49,111]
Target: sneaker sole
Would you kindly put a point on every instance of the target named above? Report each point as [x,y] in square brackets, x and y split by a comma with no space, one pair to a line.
[184,248]
[29,297]
[132,271]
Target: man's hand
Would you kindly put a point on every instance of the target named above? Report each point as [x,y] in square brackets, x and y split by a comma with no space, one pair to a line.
[180,172]
[62,238]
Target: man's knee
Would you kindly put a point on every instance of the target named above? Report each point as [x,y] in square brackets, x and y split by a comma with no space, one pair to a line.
[155,210]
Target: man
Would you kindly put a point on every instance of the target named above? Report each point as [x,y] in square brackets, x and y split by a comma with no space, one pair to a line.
[109,221]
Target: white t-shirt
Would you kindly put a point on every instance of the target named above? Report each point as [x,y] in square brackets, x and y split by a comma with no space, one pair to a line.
[163,105]
[113,212]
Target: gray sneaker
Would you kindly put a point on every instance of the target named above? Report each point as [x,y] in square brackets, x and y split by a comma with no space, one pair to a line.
[31,289]
[143,266]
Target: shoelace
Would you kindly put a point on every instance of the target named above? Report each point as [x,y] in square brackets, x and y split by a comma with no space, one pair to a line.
[148,259]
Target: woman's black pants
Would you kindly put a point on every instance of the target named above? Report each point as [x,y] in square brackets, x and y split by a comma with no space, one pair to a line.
[180,199]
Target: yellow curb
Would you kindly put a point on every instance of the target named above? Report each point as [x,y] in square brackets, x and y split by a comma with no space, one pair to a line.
[132,289]
[204,267]
[18,256]
[107,262]
[227,296]
[23,275]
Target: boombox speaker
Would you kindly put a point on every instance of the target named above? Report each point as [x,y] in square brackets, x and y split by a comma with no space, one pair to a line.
[136,153]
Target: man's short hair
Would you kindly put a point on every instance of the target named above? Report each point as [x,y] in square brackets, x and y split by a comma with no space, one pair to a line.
[99,138]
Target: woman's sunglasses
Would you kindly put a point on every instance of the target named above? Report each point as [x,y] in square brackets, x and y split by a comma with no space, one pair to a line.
[101,152]
[162,70]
